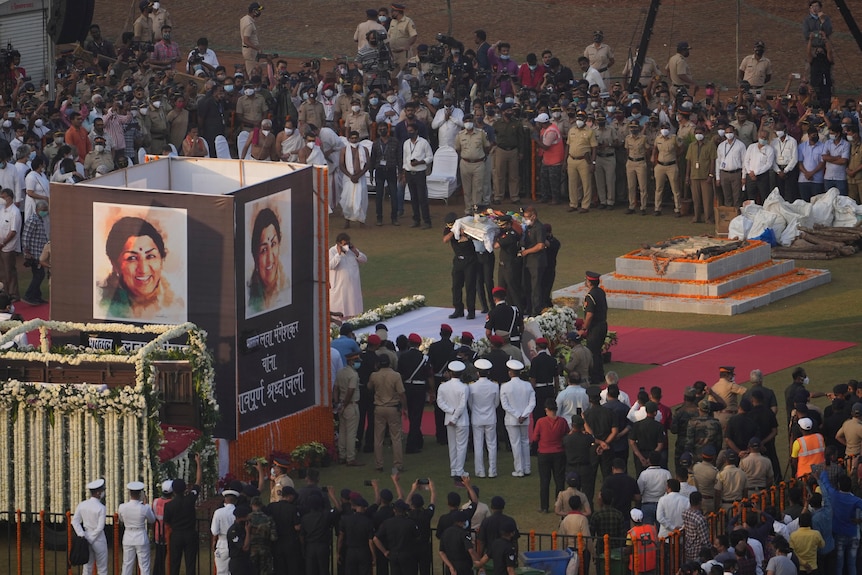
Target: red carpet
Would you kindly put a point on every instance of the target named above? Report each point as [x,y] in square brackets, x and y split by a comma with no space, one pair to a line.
[651,346]
[766,353]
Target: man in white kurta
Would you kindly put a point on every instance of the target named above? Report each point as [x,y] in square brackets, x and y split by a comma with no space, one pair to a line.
[345,287]
[222,520]
[483,400]
[518,400]
[89,523]
[135,514]
[452,398]
[354,188]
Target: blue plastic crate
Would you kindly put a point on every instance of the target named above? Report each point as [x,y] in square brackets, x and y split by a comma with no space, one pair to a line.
[551,562]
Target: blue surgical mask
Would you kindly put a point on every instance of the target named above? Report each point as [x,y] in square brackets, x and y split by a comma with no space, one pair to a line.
[32,156]
[357,364]
[43,213]
[228,88]
[435,101]
[374,101]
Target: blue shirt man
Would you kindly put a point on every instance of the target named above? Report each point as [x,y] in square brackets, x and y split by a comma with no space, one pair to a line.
[811,166]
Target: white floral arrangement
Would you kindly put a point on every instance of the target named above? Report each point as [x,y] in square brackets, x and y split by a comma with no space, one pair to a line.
[68,434]
[555,322]
[382,312]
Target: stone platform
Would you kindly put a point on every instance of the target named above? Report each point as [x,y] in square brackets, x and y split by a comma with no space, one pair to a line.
[726,284]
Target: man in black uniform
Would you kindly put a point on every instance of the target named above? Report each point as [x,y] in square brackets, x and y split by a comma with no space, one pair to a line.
[422,516]
[239,543]
[504,318]
[511,266]
[356,539]
[287,550]
[416,375]
[646,436]
[456,546]
[484,275]
[579,455]
[316,533]
[543,377]
[180,516]
[504,552]
[397,539]
[601,424]
[595,324]
[440,353]
[535,261]
[380,512]
[552,248]
[463,268]
[492,527]
[368,365]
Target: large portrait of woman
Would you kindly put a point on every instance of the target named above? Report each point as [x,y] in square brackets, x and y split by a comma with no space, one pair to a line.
[139,263]
[267,249]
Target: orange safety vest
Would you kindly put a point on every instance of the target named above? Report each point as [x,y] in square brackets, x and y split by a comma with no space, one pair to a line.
[644,539]
[557,152]
[159,512]
[812,451]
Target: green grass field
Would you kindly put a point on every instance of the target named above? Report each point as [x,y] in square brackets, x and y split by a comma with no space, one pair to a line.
[403,261]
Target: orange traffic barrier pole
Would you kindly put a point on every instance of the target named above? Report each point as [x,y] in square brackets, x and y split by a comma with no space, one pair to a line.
[580,548]
[532,540]
[607,542]
[553,539]
[662,553]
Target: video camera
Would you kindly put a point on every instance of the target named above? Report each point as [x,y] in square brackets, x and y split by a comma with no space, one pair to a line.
[262,56]
[143,46]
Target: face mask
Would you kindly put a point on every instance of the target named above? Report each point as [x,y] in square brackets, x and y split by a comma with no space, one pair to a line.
[594,104]
[127,88]
[832,136]
[43,213]
[381,19]
[580,123]
[32,156]
[556,115]
[779,133]
[248,92]
[635,131]
[805,380]
[468,125]
[813,139]
[532,68]
[373,101]
[435,101]
[312,96]
[721,133]
[665,132]
[849,138]
[636,116]
[412,135]
[228,88]
[327,93]
[310,145]
[602,123]
[729,135]
[762,141]
[166,37]
[156,5]
[7,124]
[698,137]
[100,148]
[509,100]
[134,114]
[157,104]
[265,133]
[611,109]
[391,99]
[144,111]
[39,123]
[504,57]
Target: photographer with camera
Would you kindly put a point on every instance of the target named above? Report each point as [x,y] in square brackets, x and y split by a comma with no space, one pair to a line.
[505,69]
[202,58]
[460,73]
[376,60]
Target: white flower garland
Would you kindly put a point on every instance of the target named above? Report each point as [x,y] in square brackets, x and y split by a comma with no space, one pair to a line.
[108,433]
[382,312]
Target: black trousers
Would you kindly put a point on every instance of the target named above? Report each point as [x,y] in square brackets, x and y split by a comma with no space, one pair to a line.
[509,274]
[419,196]
[549,182]
[485,279]
[405,563]
[357,561]
[415,405]
[758,187]
[365,429]
[551,465]
[386,180]
[787,186]
[317,558]
[184,544]
[464,279]
[159,559]
[595,342]
[287,558]
[533,273]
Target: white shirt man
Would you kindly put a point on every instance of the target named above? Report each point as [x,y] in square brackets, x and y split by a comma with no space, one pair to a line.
[652,483]
[207,55]
[222,520]
[483,400]
[136,515]
[89,523]
[670,508]
[9,179]
[448,121]
[452,399]
[786,154]
[759,159]
[571,399]
[518,400]
[730,156]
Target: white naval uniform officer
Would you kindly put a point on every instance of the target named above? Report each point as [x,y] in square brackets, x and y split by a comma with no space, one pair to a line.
[89,523]
[518,400]
[484,400]
[135,514]
[452,396]
[223,518]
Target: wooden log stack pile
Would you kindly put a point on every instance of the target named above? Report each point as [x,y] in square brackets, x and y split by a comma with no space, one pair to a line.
[822,243]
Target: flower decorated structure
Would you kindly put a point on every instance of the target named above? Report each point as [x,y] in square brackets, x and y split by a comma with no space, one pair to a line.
[381,313]
[59,436]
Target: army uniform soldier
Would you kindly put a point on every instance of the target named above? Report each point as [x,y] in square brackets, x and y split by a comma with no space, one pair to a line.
[732,482]
[664,158]
[263,535]
[704,475]
[606,163]
[703,430]
[510,264]
[683,415]
[637,151]
[472,146]
[757,467]
[581,163]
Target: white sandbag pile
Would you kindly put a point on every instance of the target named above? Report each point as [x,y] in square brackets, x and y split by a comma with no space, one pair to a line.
[825,228]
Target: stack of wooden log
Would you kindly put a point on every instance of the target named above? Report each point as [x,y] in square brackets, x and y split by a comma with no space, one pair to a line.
[821,243]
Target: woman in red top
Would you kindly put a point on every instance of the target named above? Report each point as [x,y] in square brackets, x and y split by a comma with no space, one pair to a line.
[549,432]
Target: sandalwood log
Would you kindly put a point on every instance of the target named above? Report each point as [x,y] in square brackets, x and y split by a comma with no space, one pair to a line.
[791,255]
